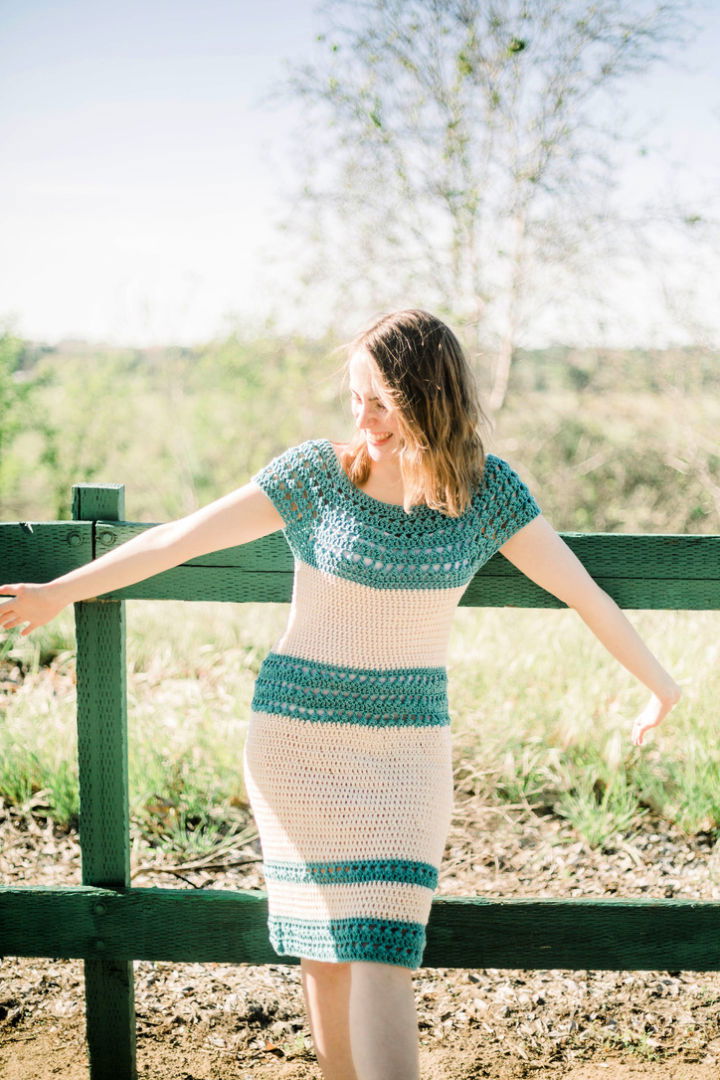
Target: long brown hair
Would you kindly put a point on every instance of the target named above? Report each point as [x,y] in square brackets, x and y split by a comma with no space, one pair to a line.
[422,371]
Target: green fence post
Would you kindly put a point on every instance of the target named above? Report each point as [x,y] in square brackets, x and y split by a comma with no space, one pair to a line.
[104,816]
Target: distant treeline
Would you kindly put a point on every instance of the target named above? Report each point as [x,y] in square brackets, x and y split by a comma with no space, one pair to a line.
[609,440]
[557,367]
[648,370]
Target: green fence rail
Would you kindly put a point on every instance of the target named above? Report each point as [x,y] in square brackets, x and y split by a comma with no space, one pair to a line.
[109,924]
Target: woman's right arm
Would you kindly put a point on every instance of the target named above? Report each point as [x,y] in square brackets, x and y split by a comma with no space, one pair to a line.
[237,518]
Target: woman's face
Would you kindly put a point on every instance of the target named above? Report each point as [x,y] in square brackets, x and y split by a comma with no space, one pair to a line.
[375,417]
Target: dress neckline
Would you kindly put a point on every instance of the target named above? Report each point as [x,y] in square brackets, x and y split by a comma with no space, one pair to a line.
[362,497]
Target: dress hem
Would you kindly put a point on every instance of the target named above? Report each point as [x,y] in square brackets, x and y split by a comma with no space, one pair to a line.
[344,940]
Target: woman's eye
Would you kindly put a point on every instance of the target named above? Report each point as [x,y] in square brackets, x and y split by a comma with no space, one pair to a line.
[356,401]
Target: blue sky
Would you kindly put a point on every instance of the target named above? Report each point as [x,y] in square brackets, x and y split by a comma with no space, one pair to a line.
[141,176]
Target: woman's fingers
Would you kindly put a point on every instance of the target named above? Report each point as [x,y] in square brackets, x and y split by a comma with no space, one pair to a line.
[647,719]
[653,713]
[639,730]
[6,606]
[21,608]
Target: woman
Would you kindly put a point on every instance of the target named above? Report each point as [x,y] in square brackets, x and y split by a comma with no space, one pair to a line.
[347,760]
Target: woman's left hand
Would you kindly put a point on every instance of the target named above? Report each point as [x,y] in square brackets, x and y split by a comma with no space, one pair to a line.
[656,710]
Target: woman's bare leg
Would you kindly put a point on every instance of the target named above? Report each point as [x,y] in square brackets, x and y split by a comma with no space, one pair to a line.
[383,1022]
[326,987]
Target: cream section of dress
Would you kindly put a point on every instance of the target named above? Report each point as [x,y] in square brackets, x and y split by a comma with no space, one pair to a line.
[337,621]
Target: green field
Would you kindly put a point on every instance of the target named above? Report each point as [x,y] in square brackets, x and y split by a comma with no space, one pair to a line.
[541,716]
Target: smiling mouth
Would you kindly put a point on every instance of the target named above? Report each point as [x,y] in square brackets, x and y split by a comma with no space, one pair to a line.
[380,437]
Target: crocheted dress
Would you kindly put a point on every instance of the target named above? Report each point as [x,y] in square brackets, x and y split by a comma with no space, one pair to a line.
[347,759]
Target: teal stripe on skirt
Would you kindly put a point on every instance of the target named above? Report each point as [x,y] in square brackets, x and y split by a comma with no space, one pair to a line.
[342,872]
[382,940]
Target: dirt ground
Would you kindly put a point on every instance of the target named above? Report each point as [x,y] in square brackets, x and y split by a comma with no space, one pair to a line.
[240,1022]
[59,1051]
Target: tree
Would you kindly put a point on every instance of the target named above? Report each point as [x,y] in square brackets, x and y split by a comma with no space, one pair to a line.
[462,150]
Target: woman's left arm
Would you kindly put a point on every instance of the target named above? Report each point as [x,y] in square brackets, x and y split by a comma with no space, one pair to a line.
[543,556]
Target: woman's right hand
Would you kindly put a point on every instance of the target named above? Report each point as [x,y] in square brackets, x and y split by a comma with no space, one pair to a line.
[30,603]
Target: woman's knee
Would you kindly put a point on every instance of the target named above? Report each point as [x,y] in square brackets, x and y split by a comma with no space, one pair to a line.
[374,969]
[325,969]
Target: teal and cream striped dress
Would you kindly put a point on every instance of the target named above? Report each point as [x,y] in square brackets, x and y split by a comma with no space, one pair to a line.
[347,760]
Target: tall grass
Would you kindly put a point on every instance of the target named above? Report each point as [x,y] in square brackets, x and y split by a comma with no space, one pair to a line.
[541,718]
[550,712]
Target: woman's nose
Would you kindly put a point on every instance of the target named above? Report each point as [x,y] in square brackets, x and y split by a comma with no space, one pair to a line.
[364,414]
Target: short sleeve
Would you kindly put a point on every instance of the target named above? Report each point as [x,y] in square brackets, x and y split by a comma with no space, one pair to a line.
[287,482]
[508,504]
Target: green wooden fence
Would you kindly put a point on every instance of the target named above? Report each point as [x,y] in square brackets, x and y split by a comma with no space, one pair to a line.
[109,924]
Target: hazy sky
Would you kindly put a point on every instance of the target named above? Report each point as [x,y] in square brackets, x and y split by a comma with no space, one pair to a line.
[141,177]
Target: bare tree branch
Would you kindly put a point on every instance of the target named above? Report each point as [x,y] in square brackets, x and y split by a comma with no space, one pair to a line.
[466,154]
